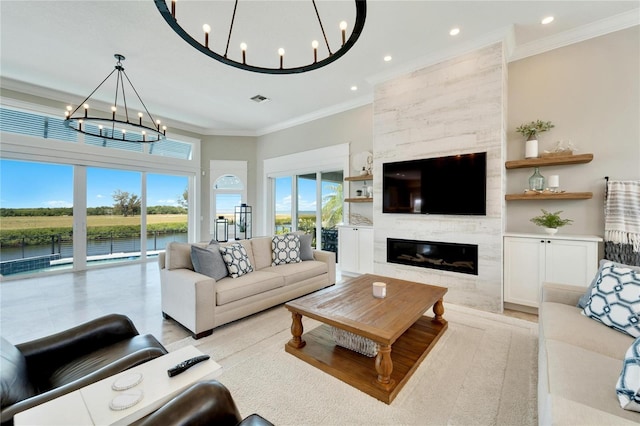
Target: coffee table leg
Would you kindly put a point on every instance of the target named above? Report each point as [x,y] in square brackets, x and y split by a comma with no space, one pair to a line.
[438,310]
[384,365]
[296,330]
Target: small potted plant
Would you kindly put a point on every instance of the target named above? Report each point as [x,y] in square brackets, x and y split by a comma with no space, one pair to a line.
[530,131]
[550,221]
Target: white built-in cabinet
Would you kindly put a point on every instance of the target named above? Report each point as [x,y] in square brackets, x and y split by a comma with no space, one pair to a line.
[355,249]
[531,259]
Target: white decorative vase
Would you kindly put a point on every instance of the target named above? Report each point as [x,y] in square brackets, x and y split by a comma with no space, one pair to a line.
[531,149]
[550,231]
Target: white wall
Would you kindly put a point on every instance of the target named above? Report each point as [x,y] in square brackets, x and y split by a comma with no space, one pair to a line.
[454,107]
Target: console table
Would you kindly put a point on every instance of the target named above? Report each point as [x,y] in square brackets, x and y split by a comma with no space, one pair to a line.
[90,405]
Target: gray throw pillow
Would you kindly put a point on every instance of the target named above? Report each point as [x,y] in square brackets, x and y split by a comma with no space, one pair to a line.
[208,261]
[584,299]
[306,251]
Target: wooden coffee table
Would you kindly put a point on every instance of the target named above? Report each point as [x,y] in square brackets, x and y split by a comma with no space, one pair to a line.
[396,323]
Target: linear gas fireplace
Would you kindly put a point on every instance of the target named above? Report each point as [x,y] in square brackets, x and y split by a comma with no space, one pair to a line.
[454,257]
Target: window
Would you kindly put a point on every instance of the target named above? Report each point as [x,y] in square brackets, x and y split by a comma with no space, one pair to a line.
[228,191]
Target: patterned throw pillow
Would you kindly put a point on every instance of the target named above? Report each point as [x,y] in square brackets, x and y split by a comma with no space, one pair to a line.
[584,299]
[615,299]
[237,260]
[628,386]
[285,249]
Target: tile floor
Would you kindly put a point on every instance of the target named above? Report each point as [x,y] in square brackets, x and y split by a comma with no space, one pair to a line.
[42,305]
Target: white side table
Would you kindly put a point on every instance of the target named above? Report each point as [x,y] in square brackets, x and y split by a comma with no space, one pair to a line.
[90,405]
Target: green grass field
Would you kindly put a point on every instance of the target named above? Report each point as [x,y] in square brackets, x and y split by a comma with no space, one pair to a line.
[32,222]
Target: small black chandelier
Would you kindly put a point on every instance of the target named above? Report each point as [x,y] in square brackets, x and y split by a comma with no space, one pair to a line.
[203,46]
[114,128]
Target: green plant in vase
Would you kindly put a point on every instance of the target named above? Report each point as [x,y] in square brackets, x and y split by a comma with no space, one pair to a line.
[531,131]
[550,221]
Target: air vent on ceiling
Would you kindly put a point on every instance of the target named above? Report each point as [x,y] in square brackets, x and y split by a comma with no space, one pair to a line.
[260,99]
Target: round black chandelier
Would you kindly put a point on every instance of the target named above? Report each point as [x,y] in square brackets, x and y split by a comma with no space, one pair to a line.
[120,126]
[169,15]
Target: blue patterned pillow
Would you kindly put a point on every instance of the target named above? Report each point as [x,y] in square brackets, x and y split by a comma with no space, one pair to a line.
[615,299]
[237,260]
[628,386]
[285,249]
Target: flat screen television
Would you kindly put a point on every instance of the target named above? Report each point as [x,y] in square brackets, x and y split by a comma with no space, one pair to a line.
[454,185]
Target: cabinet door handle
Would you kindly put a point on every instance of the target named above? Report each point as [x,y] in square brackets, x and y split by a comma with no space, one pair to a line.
[548,241]
[542,241]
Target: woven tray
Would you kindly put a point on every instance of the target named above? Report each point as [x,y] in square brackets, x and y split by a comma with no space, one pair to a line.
[356,343]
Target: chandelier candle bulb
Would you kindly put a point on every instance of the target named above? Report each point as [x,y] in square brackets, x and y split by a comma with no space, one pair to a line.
[243,47]
[173,8]
[140,118]
[113,112]
[79,124]
[379,290]
[281,53]
[314,45]
[86,109]
[100,129]
[343,29]
[206,28]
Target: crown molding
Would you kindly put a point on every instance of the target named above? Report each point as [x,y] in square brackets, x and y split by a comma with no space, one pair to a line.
[595,29]
[325,112]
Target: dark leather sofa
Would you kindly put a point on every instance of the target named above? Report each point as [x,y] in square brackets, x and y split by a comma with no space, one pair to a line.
[38,371]
[205,403]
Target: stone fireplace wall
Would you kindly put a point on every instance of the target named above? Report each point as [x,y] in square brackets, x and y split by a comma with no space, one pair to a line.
[455,107]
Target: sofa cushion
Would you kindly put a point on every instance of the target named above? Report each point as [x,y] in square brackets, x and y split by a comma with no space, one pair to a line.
[566,324]
[615,299]
[261,247]
[587,377]
[247,246]
[628,386]
[295,272]
[228,290]
[237,260]
[178,256]
[306,251]
[208,261]
[14,379]
[584,299]
[285,249]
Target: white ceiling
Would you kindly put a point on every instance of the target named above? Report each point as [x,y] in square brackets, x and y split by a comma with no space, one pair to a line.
[63,49]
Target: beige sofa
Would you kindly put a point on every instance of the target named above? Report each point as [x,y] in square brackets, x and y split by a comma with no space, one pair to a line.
[579,363]
[200,303]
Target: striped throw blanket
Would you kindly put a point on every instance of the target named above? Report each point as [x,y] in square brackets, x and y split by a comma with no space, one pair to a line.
[622,222]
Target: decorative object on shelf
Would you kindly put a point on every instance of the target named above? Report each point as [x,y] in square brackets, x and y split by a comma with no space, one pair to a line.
[550,221]
[362,161]
[359,193]
[530,131]
[536,181]
[363,172]
[242,219]
[222,229]
[560,150]
[358,219]
[242,54]
[554,183]
[113,127]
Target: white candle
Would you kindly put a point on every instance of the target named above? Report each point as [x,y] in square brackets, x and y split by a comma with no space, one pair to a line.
[379,290]
[554,181]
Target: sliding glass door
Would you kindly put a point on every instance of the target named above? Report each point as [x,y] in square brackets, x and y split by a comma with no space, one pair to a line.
[316,209]
[36,213]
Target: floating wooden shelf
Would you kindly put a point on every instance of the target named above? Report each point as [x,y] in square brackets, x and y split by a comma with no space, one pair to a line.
[362,177]
[359,200]
[549,161]
[561,196]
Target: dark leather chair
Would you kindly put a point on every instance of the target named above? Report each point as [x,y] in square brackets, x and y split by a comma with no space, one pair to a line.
[38,371]
[205,403]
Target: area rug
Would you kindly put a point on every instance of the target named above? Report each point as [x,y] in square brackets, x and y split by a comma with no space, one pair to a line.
[483,371]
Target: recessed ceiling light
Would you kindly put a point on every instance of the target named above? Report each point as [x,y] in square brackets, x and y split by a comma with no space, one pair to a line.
[354,88]
[454,31]
[387,58]
[547,20]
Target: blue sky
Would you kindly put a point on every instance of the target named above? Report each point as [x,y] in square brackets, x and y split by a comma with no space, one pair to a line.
[30,185]
[25,184]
